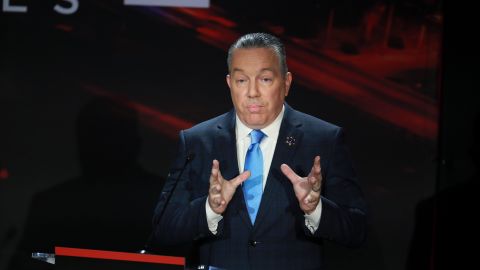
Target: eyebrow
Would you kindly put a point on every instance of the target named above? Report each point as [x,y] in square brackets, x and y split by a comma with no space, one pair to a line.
[262,70]
[236,69]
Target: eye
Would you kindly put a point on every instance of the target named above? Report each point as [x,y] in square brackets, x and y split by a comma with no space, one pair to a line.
[266,80]
[241,81]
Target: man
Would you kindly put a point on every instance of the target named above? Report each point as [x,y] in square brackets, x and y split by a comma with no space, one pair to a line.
[257,195]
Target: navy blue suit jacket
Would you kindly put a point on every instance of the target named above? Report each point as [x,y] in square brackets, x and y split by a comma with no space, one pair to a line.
[279,238]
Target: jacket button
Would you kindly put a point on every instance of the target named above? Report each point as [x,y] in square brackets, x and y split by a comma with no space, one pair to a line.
[253,243]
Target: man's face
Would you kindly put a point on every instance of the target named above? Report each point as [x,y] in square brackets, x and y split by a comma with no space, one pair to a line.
[257,86]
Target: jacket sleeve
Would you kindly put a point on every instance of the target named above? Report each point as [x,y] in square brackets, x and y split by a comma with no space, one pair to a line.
[344,210]
[184,218]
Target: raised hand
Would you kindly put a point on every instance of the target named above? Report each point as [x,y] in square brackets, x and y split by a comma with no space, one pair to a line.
[307,189]
[221,191]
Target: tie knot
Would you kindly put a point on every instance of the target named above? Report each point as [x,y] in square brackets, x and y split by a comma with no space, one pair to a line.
[256,136]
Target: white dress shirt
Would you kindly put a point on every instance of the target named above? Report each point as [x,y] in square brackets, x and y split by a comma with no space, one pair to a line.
[267,145]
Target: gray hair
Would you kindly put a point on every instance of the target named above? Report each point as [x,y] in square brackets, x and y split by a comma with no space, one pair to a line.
[260,40]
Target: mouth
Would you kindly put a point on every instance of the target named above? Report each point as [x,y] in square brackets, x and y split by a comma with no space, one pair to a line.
[254,108]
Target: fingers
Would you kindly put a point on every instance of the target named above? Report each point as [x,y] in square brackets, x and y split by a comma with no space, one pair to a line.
[220,177]
[310,202]
[217,201]
[290,174]
[315,176]
[215,170]
[215,198]
[312,197]
[221,191]
[307,189]
[316,166]
[316,170]
[215,178]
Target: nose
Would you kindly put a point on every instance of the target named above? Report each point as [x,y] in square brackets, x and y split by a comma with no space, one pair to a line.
[253,90]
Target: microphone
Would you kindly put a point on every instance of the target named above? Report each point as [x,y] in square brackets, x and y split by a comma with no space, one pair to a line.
[188,159]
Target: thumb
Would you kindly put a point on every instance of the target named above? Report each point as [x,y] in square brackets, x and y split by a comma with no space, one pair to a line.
[240,178]
[289,173]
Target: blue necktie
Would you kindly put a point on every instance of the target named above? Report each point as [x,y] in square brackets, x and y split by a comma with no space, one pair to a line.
[253,186]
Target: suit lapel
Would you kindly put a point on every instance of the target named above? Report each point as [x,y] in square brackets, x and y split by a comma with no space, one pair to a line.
[225,139]
[289,137]
[226,148]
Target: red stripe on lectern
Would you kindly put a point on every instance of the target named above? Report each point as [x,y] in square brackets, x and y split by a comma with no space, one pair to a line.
[121,256]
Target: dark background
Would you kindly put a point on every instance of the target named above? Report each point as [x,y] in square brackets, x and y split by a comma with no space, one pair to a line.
[91,105]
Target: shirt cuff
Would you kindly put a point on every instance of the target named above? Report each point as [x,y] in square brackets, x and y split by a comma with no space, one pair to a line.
[312,221]
[213,218]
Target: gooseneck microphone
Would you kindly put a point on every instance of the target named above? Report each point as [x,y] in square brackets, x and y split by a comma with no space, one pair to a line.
[188,159]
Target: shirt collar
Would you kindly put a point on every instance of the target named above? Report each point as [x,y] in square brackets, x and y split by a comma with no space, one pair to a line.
[270,130]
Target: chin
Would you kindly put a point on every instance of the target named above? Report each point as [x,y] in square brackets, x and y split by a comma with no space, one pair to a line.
[256,124]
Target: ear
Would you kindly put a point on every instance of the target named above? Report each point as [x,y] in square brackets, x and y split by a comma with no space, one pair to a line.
[228,78]
[288,82]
